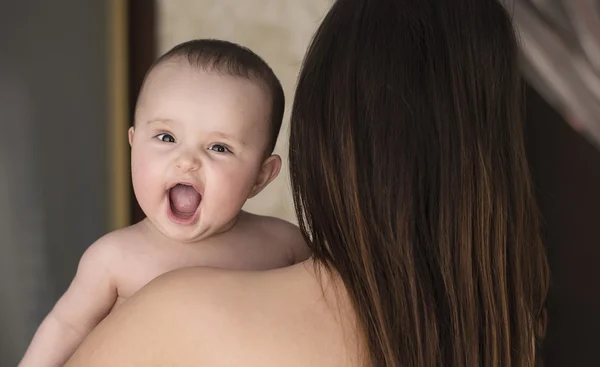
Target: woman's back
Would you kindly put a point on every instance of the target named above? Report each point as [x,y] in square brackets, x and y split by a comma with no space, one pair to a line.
[209,317]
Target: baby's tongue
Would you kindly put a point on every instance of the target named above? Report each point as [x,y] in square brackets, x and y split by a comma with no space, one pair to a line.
[184,200]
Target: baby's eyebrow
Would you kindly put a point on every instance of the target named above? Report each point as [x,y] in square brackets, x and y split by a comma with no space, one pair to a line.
[160,120]
[229,137]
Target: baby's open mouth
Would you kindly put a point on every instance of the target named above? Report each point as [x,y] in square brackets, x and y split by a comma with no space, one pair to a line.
[184,200]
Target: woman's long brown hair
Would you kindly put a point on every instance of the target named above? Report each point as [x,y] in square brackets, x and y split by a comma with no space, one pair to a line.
[410,180]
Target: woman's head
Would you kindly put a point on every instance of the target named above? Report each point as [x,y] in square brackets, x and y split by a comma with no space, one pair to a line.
[410,179]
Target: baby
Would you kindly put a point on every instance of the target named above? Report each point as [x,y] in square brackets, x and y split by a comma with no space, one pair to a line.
[206,123]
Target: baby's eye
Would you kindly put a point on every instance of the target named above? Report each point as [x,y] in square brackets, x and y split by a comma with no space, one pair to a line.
[167,138]
[219,148]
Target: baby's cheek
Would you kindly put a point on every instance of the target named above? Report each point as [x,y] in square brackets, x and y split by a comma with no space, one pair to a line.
[139,166]
[243,179]
[140,173]
[235,187]
[146,178]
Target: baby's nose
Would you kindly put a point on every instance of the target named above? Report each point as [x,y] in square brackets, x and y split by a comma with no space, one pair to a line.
[187,163]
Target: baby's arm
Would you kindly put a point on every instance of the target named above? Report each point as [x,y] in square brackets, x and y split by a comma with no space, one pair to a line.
[298,247]
[292,240]
[88,300]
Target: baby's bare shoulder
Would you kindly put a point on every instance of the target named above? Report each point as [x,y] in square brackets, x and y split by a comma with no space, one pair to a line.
[281,233]
[113,247]
[271,228]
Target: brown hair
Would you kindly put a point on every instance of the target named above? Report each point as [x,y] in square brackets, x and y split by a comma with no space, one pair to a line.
[410,180]
[235,60]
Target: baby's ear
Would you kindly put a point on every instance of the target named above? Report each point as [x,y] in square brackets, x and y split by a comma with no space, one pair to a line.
[268,171]
[130,133]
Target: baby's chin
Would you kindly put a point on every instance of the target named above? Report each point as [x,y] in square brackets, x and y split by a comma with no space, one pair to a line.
[186,234]
[191,233]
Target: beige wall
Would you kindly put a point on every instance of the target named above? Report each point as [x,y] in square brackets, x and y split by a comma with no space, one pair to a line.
[277,30]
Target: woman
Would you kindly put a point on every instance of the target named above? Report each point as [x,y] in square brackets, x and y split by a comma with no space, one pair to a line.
[412,187]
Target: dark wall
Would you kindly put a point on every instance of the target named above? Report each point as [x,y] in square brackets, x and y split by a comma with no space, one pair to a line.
[53,116]
[142,53]
[566,171]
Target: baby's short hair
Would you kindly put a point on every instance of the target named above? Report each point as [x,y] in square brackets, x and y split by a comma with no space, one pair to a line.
[235,60]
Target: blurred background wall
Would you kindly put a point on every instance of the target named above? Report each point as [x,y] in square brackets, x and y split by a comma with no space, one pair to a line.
[53,181]
[70,72]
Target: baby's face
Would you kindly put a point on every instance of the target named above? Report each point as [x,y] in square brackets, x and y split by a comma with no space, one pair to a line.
[197,149]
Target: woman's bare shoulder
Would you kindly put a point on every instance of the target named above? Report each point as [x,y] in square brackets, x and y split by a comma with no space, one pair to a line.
[215,317]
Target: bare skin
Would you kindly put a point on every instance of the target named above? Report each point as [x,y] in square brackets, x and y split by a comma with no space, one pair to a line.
[122,262]
[212,317]
[195,130]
